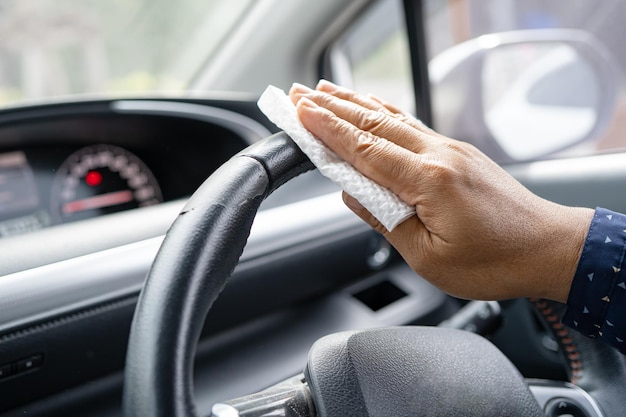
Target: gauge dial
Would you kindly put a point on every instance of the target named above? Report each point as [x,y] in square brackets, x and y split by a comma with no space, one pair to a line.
[102,179]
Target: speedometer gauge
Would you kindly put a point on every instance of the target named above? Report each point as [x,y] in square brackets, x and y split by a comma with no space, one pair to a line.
[101,179]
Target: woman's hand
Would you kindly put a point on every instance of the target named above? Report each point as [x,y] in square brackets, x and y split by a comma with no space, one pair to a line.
[478,233]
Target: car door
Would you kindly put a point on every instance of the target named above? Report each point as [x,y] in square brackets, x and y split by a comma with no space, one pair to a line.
[486,55]
[537,86]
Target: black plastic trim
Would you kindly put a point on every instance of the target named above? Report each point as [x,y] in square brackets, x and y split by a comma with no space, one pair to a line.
[414,11]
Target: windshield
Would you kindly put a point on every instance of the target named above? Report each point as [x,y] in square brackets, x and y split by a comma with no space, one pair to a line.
[52,48]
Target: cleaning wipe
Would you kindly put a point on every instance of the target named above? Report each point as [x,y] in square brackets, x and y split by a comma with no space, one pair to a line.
[380,201]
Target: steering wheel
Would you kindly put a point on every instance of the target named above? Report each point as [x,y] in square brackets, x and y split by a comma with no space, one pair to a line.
[397,371]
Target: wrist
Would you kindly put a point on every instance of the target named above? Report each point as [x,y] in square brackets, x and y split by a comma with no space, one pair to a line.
[575,222]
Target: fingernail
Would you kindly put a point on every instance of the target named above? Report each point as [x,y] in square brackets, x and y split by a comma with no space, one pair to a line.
[376,98]
[300,89]
[306,102]
[327,86]
[352,202]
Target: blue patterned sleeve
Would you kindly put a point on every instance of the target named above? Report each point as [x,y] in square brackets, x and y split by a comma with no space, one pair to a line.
[596,306]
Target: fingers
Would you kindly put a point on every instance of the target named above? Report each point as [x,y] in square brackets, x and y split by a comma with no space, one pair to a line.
[349,95]
[373,102]
[367,115]
[381,160]
[298,90]
[354,205]
[406,117]
[398,113]
[390,107]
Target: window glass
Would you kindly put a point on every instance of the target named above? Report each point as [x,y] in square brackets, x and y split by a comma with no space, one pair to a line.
[51,48]
[553,87]
[374,57]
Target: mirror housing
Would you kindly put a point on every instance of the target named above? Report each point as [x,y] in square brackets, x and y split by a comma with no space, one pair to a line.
[524,95]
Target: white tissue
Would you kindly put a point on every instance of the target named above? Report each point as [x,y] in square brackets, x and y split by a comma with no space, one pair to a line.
[388,209]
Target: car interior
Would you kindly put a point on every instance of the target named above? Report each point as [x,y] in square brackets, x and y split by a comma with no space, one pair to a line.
[165,250]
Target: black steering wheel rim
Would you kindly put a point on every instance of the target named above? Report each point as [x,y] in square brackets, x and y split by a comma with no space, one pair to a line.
[206,240]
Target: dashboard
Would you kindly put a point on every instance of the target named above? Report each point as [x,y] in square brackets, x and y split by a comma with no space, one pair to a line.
[87,192]
[59,166]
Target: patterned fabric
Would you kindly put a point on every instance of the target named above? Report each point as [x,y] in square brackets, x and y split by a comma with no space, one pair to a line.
[596,306]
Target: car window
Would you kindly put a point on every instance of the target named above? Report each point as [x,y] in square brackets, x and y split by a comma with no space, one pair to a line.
[522,80]
[529,79]
[52,48]
[373,56]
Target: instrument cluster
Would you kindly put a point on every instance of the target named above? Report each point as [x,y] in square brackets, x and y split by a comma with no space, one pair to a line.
[91,181]
[66,162]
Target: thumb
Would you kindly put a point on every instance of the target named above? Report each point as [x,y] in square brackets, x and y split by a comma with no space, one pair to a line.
[354,205]
[400,235]
[409,237]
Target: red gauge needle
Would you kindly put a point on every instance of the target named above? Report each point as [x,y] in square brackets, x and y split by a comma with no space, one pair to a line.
[99,201]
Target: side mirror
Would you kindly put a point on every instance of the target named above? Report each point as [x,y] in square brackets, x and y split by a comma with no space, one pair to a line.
[524,95]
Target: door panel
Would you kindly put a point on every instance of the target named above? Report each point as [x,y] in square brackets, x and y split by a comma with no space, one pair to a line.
[592,181]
